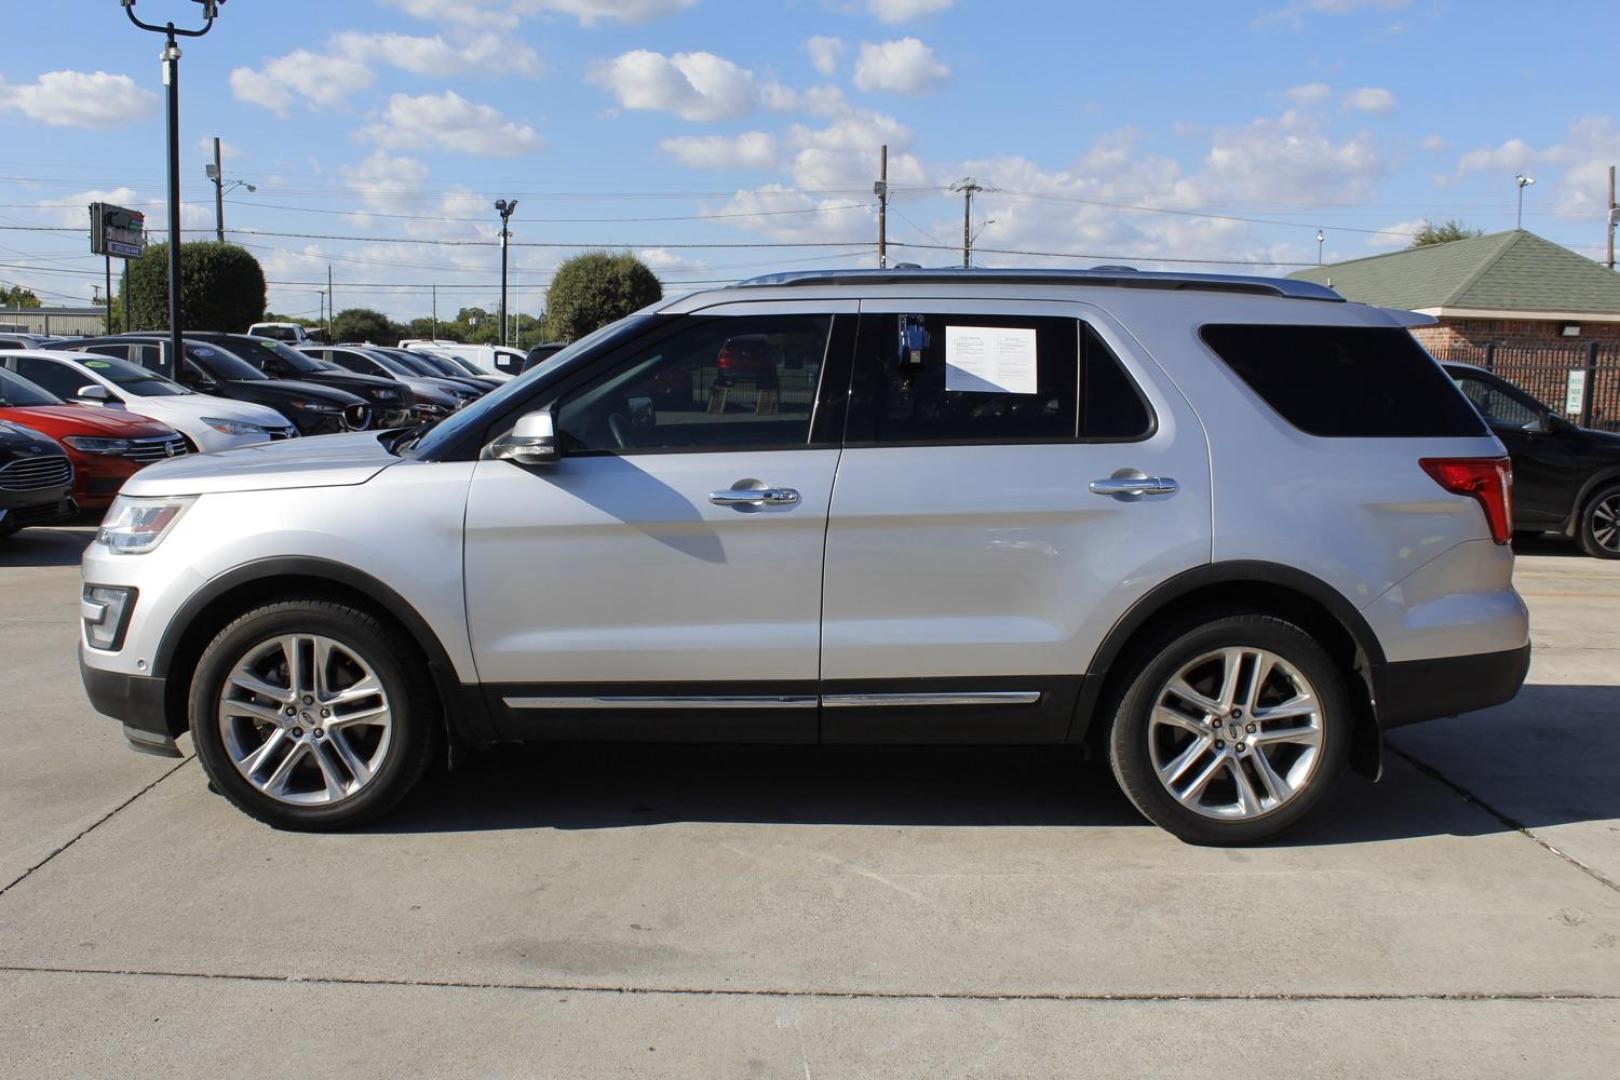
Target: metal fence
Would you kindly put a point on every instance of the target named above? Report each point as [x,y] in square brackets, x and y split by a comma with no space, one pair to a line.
[1581,382]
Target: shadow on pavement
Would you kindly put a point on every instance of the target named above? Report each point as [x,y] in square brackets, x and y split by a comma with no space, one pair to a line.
[63,546]
[1548,544]
[1561,772]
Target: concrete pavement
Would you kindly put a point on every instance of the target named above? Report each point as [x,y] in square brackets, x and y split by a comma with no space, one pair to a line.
[777,912]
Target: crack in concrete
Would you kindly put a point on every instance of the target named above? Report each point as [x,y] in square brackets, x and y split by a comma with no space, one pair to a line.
[1124,997]
[93,826]
[1513,823]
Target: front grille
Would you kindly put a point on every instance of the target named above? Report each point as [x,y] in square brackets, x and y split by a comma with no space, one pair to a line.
[159,448]
[44,514]
[36,473]
[282,433]
[356,417]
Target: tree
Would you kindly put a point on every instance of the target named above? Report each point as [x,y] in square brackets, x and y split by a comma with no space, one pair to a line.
[221,288]
[1444,233]
[591,290]
[364,324]
[16,296]
[428,328]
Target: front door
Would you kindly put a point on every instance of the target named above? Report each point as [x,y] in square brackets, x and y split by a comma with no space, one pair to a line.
[663,578]
[1010,481]
[1547,472]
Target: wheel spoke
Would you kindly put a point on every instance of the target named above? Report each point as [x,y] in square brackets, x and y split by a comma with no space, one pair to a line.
[1164,715]
[1304,736]
[1231,673]
[335,786]
[1264,664]
[323,664]
[1298,705]
[351,761]
[238,707]
[250,682]
[1190,793]
[377,714]
[297,677]
[1177,768]
[266,750]
[1276,787]
[276,782]
[365,688]
[1248,798]
[1181,689]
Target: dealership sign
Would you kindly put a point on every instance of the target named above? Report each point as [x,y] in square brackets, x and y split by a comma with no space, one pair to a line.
[116,231]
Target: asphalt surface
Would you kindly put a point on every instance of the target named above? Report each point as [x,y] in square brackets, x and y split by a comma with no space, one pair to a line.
[832,913]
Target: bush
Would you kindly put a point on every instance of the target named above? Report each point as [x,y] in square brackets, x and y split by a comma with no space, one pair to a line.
[591,290]
[221,288]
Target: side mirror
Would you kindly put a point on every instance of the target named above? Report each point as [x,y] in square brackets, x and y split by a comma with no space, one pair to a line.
[93,392]
[532,440]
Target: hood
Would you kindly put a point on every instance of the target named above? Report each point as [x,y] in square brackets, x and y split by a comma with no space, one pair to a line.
[426,390]
[197,406]
[360,383]
[285,388]
[57,420]
[15,438]
[1608,440]
[329,461]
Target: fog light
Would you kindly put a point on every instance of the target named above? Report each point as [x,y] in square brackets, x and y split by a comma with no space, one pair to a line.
[105,610]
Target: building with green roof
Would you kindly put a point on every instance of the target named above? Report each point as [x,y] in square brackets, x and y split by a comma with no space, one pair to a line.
[1508,288]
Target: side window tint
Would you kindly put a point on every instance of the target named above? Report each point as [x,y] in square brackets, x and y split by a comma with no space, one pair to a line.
[119,351]
[59,379]
[1496,406]
[1110,405]
[717,384]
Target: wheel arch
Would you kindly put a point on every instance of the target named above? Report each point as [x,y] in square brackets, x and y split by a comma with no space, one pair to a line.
[223,598]
[1593,484]
[1247,585]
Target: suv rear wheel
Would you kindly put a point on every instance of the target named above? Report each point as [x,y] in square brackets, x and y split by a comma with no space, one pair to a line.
[310,714]
[1231,731]
[1600,524]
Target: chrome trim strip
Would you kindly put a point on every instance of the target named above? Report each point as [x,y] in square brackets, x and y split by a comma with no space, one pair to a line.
[707,701]
[987,697]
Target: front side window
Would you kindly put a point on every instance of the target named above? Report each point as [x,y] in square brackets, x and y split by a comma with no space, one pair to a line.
[53,375]
[716,384]
[20,393]
[1497,405]
[133,378]
[968,378]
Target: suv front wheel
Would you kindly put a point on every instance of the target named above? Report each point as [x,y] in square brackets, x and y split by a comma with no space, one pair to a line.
[1231,731]
[311,714]
[1600,524]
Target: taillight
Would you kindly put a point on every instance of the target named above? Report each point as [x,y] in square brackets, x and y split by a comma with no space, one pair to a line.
[1489,481]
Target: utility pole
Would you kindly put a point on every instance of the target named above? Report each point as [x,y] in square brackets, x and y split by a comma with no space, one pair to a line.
[1614,217]
[1522,182]
[967,187]
[331,305]
[435,334]
[504,207]
[107,259]
[881,190]
[219,196]
[171,79]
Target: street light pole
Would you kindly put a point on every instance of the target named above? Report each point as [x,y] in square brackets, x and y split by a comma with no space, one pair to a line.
[1523,182]
[1321,237]
[504,207]
[171,79]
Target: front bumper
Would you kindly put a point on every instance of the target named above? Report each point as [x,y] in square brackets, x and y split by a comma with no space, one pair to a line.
[138,702]
[1411,691]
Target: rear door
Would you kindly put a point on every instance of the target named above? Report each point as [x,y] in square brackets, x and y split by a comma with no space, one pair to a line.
[1547,466]
[663,579]
[1011,480]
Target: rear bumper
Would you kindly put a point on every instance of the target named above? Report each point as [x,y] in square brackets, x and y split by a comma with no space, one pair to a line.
[135,700]
[1411,691]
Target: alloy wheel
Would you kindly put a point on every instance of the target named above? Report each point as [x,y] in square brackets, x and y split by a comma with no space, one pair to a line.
[1606,523]
[305,719]
[1236,733]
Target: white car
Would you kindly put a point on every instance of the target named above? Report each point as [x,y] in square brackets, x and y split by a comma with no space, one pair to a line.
[211,423]
[500,361]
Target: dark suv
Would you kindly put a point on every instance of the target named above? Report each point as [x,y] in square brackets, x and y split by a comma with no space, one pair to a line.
[36,479]
[313,409]
[392,404]
[1566,478]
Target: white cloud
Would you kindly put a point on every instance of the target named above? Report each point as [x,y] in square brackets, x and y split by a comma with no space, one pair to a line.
[1288,159]
[322,81]
[1396,235]
[483,53]
[1309,93]
[228,151]
[825,52]
[1573,173]
[1434,142]
[505,14]
[904,66]
[750,150]
[450,122]
[80,99]
[693,86]
[899,11]
[1370,99]
[1295,12]
[1511,155]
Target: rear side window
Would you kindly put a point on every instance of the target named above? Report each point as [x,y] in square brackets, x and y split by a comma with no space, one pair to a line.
[1346,381]
[969,378]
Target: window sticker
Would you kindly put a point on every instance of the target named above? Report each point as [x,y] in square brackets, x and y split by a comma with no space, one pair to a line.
[990,359]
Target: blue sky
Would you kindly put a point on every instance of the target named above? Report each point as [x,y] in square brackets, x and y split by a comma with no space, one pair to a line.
[380,132]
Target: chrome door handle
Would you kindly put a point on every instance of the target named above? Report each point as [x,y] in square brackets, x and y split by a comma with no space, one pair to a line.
[760,496]
[1135,485]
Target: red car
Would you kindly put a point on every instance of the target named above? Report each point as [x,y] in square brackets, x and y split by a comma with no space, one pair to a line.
[106,447]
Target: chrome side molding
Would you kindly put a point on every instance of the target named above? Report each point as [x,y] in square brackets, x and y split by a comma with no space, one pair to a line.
[987,697]
[776,701]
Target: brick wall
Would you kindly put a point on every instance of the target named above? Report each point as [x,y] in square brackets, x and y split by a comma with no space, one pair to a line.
[1525,333]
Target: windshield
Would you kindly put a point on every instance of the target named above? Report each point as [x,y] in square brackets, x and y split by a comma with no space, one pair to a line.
[465,367]
[17,391]
[222,365]
[413,363]
[493,402]
[294,359]
[438,364]
[390,362]
[133,378]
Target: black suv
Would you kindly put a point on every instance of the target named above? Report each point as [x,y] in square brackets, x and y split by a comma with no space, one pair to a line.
[1566,478]
[392,404]
[36,479]
[209,369]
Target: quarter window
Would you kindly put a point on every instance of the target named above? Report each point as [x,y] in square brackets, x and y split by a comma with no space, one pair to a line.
[717,384]
[989,379]
[60,379]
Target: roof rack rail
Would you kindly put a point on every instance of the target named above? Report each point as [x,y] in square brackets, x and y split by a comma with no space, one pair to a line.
[1114,276]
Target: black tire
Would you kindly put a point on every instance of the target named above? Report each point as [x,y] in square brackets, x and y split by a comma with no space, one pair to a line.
[1152,667]
[392,656]
[1594,525]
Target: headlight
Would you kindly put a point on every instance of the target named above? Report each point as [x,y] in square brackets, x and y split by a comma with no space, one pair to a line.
[315,406]
[135,526]
[87,444]
[233,427]
[432,411]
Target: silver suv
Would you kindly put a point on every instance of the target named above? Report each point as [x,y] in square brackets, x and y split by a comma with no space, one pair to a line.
[1224,531]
